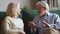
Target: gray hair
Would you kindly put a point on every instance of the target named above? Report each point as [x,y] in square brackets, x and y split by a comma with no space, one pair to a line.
[44,4]
[12,7]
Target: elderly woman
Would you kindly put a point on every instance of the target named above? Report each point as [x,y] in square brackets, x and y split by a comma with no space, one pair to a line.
[44,20]
[13,24]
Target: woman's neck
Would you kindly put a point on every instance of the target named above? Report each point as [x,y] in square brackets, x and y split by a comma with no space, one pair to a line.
[14,17]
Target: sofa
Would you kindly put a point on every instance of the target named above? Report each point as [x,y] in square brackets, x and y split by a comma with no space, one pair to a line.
[27,15]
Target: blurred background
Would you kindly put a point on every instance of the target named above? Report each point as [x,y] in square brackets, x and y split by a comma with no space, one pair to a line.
[53,4]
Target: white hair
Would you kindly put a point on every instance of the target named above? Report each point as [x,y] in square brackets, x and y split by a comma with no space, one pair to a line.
[44,4]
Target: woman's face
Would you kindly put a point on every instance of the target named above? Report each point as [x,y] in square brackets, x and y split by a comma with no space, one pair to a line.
[18,10]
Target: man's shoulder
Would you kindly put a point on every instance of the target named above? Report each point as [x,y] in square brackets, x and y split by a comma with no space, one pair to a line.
[54,14]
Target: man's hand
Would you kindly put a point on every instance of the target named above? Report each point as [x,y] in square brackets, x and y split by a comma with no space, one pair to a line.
[45,24]
[32,25]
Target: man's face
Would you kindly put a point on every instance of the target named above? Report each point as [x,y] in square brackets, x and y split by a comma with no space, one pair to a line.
[41,9]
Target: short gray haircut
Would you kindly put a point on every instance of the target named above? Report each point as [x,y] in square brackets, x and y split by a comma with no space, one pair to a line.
[44,4]
[12,6]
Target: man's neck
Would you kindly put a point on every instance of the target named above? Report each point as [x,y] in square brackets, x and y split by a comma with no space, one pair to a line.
[42,14]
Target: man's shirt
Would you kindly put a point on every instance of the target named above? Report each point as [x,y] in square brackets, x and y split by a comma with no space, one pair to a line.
[50,18]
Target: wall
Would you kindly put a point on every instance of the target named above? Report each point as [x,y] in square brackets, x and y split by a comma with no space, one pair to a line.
[4,3]
[33,4]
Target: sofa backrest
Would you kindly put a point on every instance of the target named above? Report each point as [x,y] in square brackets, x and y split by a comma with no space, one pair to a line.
[55,11]
[28,15]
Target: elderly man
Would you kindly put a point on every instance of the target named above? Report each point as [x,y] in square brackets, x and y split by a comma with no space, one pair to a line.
[45,19]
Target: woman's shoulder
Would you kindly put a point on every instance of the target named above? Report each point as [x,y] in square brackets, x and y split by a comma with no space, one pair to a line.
[6,19]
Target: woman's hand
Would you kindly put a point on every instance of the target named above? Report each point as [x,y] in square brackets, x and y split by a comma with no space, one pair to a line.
[32,25]
[22,32]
